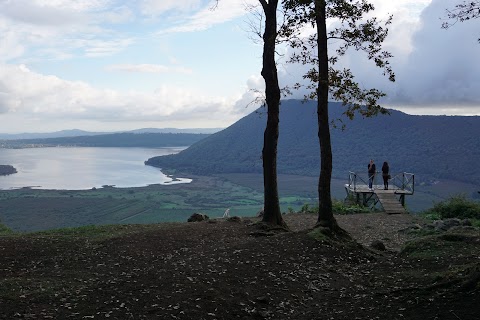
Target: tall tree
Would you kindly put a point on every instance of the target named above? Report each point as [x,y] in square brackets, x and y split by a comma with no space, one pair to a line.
[355,32]
[272,213]
[467,10]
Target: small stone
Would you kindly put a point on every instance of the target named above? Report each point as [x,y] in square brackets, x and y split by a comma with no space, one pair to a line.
[262,299]
[378,245]
[234,219]
[263,313]
[198,217]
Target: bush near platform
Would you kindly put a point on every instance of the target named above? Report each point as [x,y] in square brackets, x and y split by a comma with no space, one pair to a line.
[455,207]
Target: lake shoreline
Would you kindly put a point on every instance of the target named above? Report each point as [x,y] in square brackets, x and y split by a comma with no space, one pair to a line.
[82,168]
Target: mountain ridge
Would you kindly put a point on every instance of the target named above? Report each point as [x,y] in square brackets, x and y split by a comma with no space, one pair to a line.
[128,139]
[431,146]
[81,133]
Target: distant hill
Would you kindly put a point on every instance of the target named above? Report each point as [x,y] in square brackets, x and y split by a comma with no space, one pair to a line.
[432,147]
[175,130]
[147,140]
[81,133]
[56,134]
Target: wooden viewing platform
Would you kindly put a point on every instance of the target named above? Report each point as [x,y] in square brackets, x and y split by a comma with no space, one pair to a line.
[392,200]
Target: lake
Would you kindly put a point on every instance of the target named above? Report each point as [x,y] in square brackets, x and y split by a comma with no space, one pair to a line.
[79,168]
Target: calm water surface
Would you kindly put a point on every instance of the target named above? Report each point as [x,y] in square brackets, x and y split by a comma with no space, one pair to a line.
[83,168]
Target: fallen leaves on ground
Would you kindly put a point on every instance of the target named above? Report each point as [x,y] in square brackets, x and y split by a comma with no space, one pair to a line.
[218,270]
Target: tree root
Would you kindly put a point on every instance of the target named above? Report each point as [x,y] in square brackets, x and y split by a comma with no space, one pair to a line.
[331,229]
[265,229]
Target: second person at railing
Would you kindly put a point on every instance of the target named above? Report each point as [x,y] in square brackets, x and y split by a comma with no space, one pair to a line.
[385,175]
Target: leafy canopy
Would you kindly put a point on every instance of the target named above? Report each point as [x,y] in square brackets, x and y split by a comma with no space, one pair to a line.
[352,31]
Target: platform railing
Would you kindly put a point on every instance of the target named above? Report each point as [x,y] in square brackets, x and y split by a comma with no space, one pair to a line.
[355,180]
[403,181]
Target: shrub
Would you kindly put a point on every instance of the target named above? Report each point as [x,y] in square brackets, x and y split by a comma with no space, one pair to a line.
[338,207]
[4,229]
[307,208]
[455,207]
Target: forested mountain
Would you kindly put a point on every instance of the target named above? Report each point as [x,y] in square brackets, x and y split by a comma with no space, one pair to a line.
[147,140]
[429,146]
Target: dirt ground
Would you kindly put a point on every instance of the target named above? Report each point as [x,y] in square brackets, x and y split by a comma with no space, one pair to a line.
[224,270]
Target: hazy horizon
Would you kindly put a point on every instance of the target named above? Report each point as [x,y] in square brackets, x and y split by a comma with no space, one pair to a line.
[212,129]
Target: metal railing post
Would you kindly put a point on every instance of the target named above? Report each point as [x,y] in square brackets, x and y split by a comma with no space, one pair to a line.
[413,183]
[354,181]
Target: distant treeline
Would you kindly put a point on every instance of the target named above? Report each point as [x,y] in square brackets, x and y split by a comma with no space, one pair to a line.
[432,147]
[7,169]
[147,140]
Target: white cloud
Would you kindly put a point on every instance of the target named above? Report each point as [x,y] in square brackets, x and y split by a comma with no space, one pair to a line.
[117,15]
[442,70]
[435,67]
[253,96]
[158,7]
[148,68]
[40,13]
[23,91]
[79,5]
[99,47]
[61,29]
[437,70]
[40,33]
[10,45]
[406,21]
[206,18]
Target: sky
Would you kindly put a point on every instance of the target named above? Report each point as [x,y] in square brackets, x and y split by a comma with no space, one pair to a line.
[110,65]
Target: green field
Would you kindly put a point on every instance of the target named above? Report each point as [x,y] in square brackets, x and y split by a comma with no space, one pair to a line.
[32,210]
[35,210]
[305,188]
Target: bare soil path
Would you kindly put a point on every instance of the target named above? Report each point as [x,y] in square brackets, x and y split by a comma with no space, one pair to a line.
[218,270]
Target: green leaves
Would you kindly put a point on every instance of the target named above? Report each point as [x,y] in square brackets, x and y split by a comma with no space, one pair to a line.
[353,32]
[357,100]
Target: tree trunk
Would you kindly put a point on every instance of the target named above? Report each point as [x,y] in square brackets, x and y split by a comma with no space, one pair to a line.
[272,214]
[325,212]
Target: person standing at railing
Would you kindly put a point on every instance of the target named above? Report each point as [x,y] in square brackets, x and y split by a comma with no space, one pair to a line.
[385,175]
[371,174]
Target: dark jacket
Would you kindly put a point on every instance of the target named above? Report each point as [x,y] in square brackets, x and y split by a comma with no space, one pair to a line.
[371,169]
[385,170]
